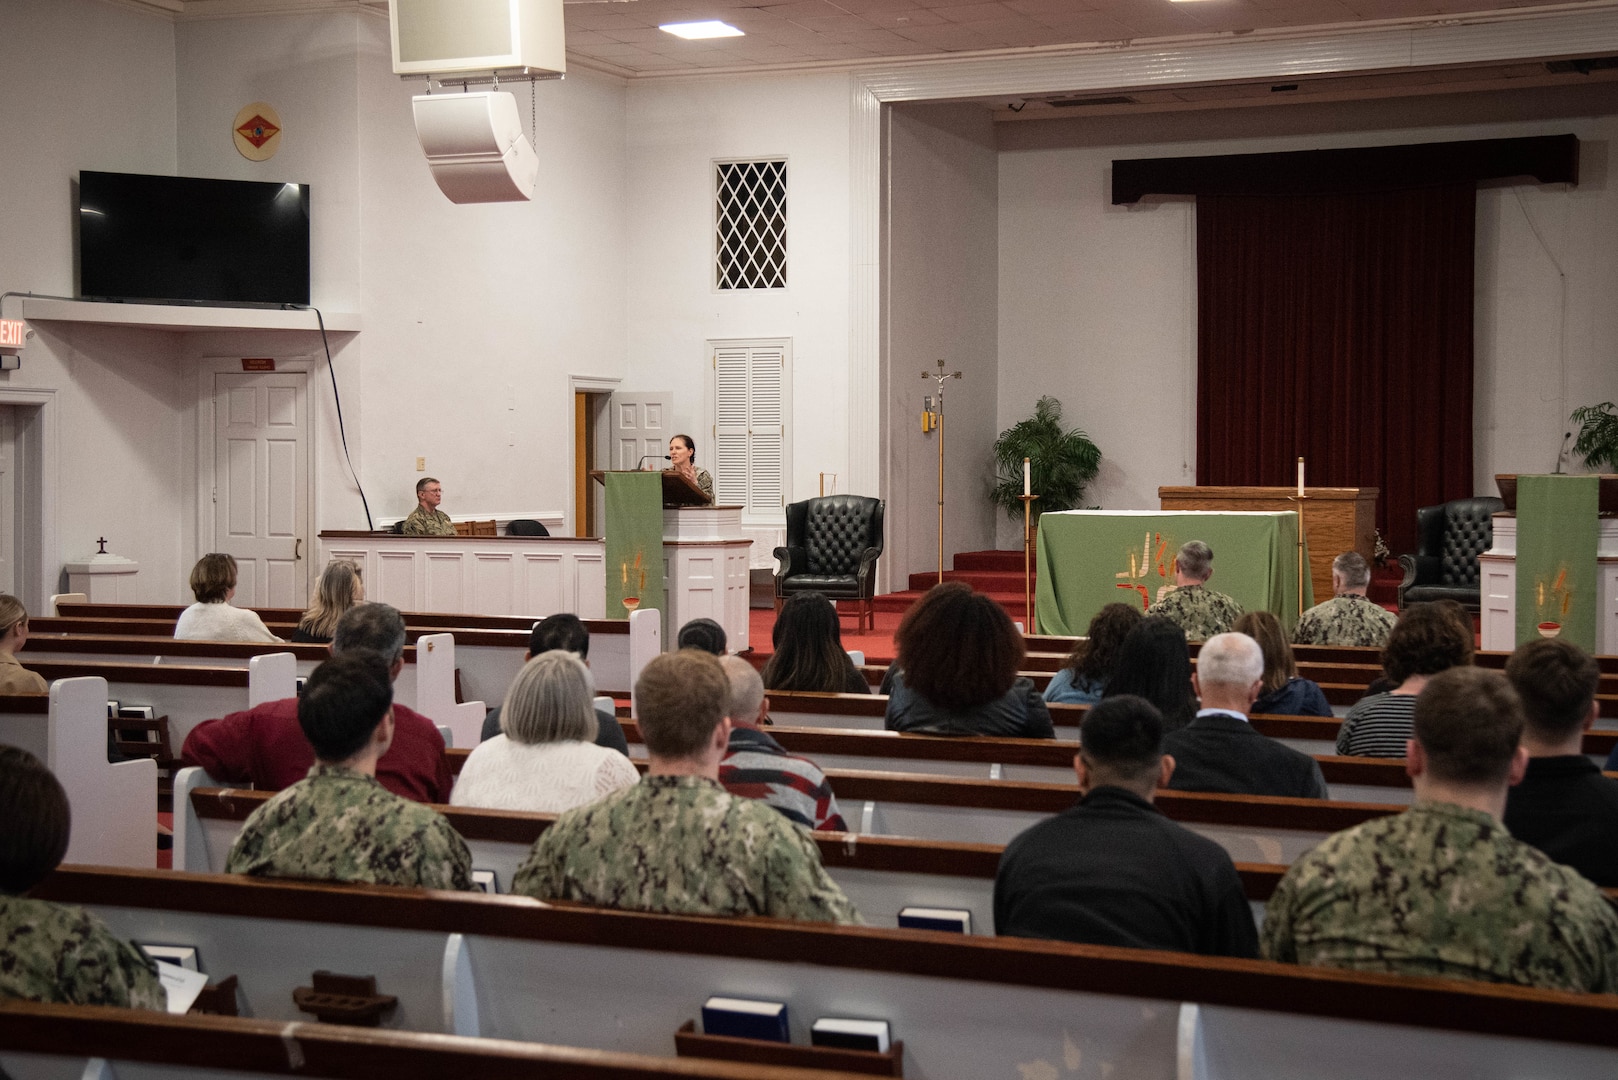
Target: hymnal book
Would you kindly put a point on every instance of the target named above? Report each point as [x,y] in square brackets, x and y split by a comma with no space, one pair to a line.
[741,1018]
[485,881]
[179,955]
[850,1034]
[136,712]
[952,920]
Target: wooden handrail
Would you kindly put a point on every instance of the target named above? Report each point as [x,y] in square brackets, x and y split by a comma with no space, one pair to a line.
[165,674]
[436,619]
[26,704]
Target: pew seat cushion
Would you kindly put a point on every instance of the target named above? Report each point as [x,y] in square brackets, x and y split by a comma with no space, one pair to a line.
[1019,713]
[540,778]
[64,955]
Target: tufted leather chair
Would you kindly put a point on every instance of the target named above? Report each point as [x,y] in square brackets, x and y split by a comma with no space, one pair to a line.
[1449,539]
[832,546]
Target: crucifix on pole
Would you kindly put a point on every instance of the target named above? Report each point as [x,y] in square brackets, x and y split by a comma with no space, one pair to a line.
[935,420]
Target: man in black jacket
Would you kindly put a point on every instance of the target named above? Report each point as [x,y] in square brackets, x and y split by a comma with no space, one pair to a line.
[1219,751]
[1112,870]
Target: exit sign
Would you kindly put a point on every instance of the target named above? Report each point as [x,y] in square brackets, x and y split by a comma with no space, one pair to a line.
[13,333]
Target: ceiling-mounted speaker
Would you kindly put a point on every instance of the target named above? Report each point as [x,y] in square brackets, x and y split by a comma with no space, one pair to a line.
[475,146]
[447,37]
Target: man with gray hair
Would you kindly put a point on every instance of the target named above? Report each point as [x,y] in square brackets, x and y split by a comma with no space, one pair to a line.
[1198,610]
[1349,617]
[265,746]
[1219,751]
[755,766]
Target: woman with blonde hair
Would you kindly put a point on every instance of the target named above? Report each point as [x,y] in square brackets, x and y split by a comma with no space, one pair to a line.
[1281,691]
[212,617]
[14,678]
[340,587]
[545,759]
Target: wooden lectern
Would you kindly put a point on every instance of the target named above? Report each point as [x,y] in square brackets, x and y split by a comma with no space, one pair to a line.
[677,490]
[1337,519]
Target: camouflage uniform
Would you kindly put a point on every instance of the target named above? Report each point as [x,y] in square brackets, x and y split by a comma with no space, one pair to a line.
[1199,611]
[1345,620]
[67,956]
[1444,891]
[425,522]
[341,825]
[683,845]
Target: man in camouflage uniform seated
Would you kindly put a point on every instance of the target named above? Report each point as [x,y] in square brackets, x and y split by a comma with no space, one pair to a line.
[339,823]
[51,952]
[1191,605]
[427,519]
[678,842]
[1349,617]
[1443,889]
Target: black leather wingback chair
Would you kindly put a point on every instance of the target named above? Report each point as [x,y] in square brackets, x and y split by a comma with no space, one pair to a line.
[1449,539]
[833,543]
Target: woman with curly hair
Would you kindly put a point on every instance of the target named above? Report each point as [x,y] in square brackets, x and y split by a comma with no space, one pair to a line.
[1084,676]
[1427,639]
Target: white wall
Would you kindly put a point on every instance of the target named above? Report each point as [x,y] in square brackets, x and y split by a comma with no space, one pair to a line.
[940,301]
[1098,303]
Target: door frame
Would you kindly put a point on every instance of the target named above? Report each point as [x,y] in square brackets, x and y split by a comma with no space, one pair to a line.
[207,368]
[581,384]
[39,558]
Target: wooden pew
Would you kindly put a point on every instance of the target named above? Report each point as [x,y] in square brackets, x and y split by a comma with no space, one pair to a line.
[127,1042]
[114,806]
[966,1007]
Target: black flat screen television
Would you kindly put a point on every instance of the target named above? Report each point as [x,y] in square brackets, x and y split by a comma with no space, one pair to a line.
[189,240]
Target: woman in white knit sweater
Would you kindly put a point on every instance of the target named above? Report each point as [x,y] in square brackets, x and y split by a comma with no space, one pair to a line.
[545,759]
[213,617]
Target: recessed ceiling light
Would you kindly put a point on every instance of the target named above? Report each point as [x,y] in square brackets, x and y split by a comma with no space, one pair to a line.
[693,30]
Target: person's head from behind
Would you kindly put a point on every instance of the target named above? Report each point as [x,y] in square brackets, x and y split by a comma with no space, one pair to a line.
[550,700]
[13,623]
[213,579]
[340,587]
[1095,656]
[37,820]
[1350,573]
[1279,663]
[563,631]
[1427,639]
[1121,745]
[682,699]
[1195,561]
[1155,663]
[344,704]
[1557,682]
[376,628]
[746,706]
[957,648]
[808,646]
[1468,726]
[704,634]
[1230,671]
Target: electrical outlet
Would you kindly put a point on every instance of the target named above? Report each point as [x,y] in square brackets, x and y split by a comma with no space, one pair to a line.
[421,464]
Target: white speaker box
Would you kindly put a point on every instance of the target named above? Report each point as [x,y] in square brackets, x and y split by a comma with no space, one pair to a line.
[475,146]
[445,37]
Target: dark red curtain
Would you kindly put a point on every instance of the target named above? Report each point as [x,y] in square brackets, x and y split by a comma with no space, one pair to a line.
[1338,328]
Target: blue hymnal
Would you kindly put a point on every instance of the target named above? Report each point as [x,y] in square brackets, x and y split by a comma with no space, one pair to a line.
[744,1019]
[953,920]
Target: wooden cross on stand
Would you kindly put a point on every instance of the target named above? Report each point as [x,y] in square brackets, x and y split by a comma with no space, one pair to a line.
[102,548]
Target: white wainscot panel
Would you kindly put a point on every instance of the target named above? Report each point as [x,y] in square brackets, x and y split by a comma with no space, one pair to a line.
[545,585]
[446,581]
[494,575]
[395,580]
[590,571]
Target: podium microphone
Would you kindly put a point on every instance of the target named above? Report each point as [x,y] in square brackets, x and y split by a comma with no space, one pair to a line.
[1562,454]
[650,457]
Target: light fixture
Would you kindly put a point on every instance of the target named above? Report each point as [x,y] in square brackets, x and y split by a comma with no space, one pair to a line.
[692,31]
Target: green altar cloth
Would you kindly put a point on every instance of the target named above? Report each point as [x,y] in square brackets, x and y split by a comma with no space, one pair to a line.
[634,543]
[1557,536]
[1091,558]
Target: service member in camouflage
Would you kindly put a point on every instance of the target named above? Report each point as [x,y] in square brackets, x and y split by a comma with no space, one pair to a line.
[1191,605]
[339,823]
[52,952]
[427,519]
[1442,889]
[678,842]
[1349,617]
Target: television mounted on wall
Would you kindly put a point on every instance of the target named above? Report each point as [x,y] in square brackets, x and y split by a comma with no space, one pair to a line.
[182,239]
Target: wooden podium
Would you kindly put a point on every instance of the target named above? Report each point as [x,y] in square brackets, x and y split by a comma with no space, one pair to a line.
[1334,520]
[677,490]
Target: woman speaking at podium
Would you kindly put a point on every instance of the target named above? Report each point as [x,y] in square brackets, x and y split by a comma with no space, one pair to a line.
[683,458]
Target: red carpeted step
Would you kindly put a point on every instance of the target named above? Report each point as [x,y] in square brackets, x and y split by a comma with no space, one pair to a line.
[989,581]
[1001,561]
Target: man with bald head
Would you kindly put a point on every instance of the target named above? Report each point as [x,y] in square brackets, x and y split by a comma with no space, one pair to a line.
[1219,751]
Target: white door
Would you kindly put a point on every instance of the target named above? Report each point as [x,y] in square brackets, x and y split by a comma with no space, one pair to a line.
[641,428]
[8,500]
[261,485]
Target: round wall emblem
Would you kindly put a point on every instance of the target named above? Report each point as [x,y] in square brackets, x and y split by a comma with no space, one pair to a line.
[257,131]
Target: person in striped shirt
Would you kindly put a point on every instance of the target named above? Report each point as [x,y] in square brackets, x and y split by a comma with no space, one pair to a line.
[757,767]
[1426,640]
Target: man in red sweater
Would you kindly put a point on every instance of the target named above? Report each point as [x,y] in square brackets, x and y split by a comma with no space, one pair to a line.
[265,747]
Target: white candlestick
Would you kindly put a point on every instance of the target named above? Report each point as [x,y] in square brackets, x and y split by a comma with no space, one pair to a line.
[1027,478]
[1300,478]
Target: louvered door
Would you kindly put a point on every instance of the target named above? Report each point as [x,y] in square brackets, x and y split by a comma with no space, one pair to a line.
[749,395]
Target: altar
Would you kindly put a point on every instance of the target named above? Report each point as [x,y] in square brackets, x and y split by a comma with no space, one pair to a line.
[1091,558]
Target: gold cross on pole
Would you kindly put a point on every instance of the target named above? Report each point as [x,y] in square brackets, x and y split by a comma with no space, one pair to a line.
[941,376]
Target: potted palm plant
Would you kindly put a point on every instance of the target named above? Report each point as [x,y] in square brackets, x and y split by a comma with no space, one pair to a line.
[1063,462]
[1598,436]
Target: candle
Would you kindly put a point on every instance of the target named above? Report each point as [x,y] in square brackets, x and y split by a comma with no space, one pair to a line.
[1300,478]
[1027,478]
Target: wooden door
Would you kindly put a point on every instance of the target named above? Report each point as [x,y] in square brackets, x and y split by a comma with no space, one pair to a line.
[261,485]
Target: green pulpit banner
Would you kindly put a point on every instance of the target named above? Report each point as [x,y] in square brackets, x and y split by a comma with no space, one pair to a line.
[1091,558]
[634,542]
[1557,529]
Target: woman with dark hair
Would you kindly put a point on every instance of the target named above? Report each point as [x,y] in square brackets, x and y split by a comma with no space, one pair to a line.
[809,652]
[1154,662]
[956,670]
[704,634]
[51,952]
[213,617]
[1282,692]
[339,588]
[683,460]
[1084,676]
[1427,639]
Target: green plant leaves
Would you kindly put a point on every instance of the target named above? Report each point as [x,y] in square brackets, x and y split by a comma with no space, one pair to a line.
[1598,435]
[1062,462]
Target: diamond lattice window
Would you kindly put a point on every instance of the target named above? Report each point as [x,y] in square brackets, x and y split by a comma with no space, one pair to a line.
[751,225]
